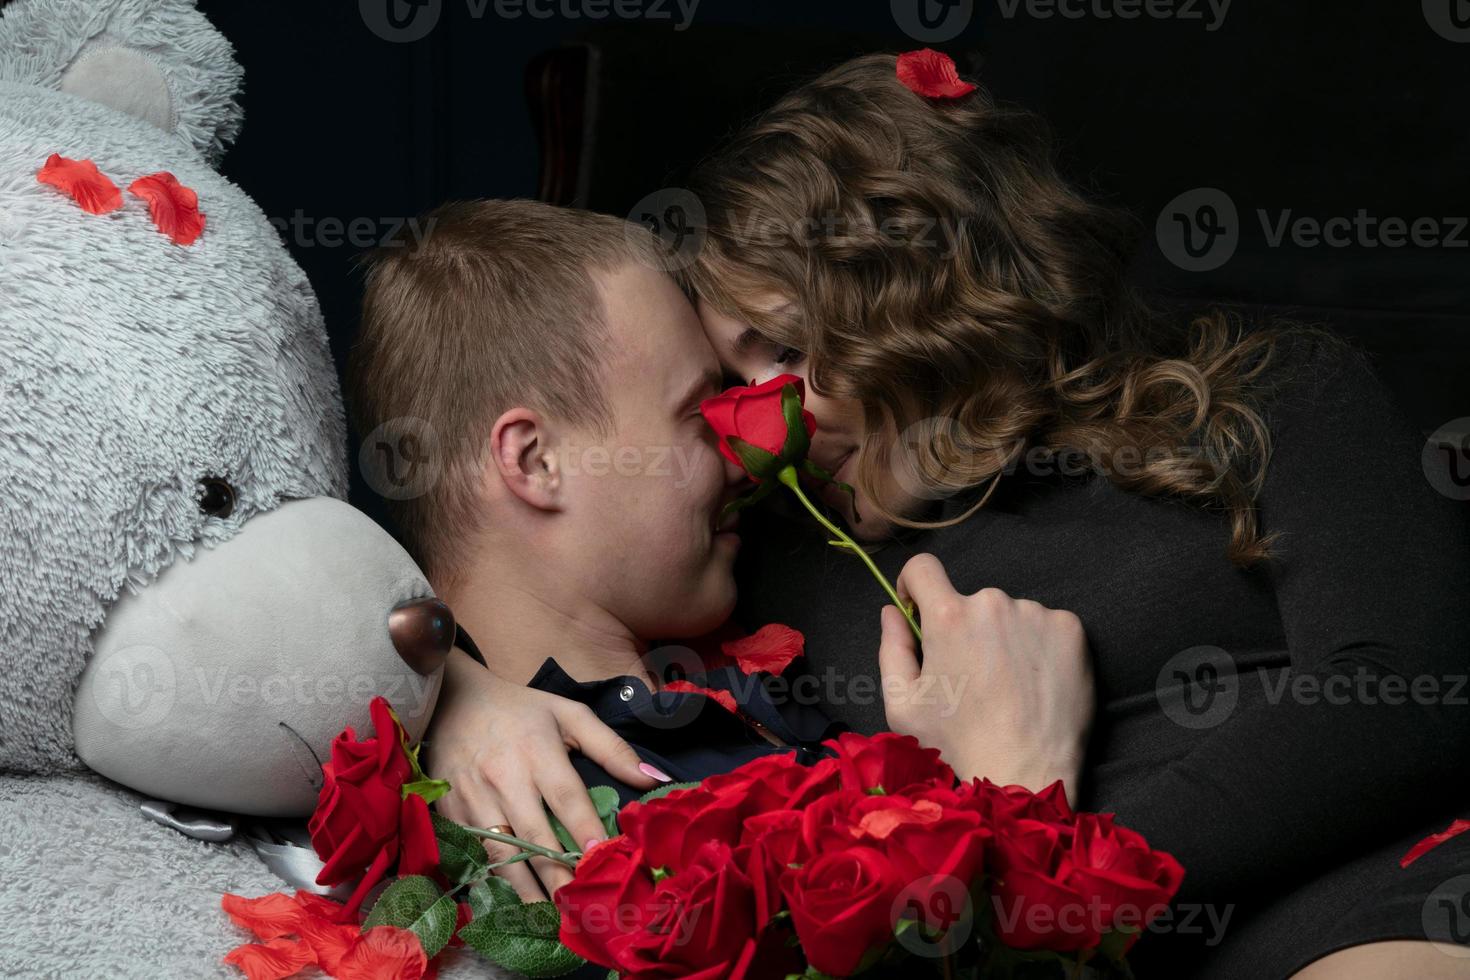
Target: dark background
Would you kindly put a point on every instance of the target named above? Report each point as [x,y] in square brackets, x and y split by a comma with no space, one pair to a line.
[1308,109]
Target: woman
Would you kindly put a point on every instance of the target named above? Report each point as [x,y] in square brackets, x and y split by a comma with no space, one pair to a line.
[1248,530]
[1238,518]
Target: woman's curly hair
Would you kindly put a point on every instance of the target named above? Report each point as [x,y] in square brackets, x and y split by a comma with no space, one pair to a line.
[945,275]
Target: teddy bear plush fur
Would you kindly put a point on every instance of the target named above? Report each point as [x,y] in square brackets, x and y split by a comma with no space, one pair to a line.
[188,610]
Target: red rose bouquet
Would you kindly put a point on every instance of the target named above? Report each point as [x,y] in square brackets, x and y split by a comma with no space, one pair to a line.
[874,860]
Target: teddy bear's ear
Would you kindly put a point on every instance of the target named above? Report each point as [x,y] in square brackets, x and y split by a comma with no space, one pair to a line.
[159,60]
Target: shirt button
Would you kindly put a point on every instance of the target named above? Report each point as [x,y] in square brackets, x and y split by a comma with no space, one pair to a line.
[626,692]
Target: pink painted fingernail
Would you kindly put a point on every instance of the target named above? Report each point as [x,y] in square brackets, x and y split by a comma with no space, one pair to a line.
[655,772]
[591,843]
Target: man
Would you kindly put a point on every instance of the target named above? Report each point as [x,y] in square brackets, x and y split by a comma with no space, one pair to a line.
[551,376]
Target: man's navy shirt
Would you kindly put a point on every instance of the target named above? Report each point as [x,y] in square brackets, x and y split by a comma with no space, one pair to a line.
[687,735]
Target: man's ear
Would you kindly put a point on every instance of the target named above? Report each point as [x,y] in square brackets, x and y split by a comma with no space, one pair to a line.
[523,452]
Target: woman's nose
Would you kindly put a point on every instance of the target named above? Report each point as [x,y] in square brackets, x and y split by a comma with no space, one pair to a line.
[422,631]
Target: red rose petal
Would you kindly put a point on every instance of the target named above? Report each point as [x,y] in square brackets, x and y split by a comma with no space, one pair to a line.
[1432,841]
[329,941]
[725,698]
[174,207]
[318,906]
[272,961]
[419,848]
[770,648]
[932,74]
[385,953]
[268,916]
[81,181]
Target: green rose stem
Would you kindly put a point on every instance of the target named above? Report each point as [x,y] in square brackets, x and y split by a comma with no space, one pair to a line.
[788,476]
[569,858]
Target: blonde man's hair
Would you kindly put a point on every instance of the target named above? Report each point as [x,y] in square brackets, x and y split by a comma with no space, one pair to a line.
[496,306]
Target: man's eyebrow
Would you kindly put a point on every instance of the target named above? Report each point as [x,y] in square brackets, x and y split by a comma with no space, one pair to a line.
[710,383]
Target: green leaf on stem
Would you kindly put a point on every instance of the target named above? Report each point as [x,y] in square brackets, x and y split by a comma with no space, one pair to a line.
[759,464]
[429,789]
[416,903]
[605,801]
[462,857]
[816,472]
[664,790]
[1115,943]
[761,491]
[797,443]
[522,939]
[563,835]
[491,893]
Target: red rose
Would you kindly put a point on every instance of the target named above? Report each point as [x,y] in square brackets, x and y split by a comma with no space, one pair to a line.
[842,906]
[1064,887]
[1116,872]
[1034,906]
[363,821]
[671,828]
[702,924]
[925,841]
[775,782]
[771,843]
[610,894]
[997,804]
[755,416]
[887,761]
[952,846]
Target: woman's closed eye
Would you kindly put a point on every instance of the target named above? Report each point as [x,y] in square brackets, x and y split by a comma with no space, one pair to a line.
[788,355]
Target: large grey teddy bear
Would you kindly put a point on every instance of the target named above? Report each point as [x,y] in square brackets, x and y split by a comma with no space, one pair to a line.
[187,607]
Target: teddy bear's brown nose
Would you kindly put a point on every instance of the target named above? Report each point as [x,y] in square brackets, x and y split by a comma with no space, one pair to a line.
[422,631]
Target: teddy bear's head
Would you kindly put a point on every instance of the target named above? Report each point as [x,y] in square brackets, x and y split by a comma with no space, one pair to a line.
[186,604]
